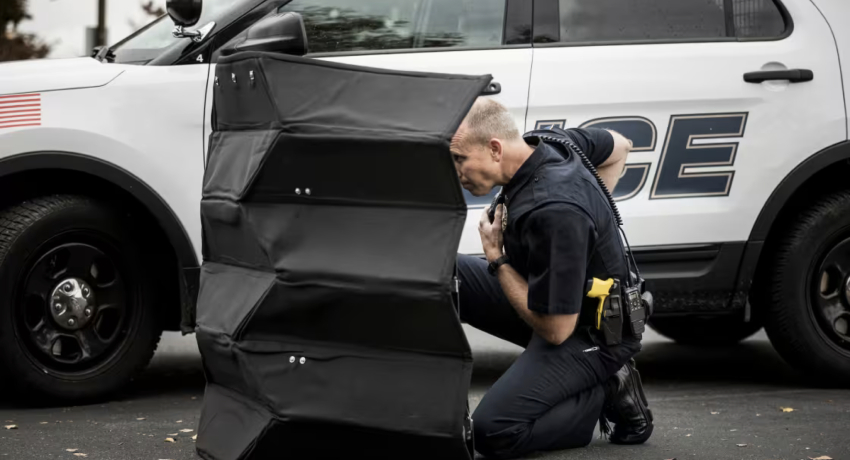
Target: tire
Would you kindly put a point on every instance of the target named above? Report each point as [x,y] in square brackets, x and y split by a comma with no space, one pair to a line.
[97,249]
[803,278]
[713,330]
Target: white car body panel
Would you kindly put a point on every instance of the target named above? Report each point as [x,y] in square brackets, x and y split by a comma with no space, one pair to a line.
[834,11]
[785,123]
[155,121]
[135,123]
[57,74]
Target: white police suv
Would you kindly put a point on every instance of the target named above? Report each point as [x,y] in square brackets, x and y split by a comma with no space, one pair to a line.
[735,199]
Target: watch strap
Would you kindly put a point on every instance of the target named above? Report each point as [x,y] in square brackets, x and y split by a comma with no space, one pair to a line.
[493,267]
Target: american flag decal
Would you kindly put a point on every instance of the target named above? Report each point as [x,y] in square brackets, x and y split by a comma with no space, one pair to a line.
[20,110]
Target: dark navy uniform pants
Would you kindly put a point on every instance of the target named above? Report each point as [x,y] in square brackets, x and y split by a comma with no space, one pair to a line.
[551,397]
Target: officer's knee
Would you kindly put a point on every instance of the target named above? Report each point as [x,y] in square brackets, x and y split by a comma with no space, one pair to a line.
[500,439]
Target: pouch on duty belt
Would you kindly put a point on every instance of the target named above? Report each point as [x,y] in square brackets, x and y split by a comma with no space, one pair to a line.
[609,312]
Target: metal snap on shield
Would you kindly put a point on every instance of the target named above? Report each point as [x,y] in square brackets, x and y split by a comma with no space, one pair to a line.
[233,77]
[298,191]
[303,360]
[292,359]
[307,191]
[251,74]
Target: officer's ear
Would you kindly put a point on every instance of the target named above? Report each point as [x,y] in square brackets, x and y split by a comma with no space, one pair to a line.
[496,149]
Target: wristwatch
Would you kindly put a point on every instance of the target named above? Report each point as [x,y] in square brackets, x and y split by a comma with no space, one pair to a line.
[493,268]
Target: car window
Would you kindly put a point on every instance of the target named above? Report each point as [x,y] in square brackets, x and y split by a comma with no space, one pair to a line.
[758,19]
[373,25]
[646,20]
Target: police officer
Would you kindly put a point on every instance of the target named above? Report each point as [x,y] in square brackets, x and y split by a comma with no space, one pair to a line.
[555,231]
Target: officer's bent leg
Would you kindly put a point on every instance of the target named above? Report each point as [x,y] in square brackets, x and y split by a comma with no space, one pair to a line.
[549,399]
[484,306]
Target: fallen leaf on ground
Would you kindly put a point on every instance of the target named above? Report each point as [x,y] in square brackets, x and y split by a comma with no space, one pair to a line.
[688,435]
[194,438]
[71,450]
[824,457]
[758,415]
[741,445]
[81,455]
[169,440]
[11,427]
[180,421]
[787,409]
[140,418]
[173,434]
[186,430]
[43,423]
[714,413]
[734,429]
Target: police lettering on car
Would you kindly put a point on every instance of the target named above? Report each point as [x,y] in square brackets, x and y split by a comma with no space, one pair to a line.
[556,231]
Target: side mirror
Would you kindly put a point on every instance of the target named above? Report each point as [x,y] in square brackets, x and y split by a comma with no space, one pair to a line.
[279,33]
[184,13]
[187,13]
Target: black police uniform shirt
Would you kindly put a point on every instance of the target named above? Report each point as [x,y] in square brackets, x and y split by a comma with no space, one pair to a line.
[560,228]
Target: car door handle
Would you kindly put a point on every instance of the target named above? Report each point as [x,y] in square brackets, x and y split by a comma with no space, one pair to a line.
[492,88]
[792,75]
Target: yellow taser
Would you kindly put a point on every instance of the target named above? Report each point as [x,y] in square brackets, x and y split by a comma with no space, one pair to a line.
[599,289]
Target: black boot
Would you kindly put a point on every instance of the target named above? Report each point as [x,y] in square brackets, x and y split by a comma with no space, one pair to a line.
[626,407]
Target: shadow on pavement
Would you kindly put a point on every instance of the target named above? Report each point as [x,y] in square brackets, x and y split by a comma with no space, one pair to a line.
[751,362]
[667,363]
[180,373]
[174,373]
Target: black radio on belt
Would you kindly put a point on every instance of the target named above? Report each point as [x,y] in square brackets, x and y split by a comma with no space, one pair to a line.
[636,309]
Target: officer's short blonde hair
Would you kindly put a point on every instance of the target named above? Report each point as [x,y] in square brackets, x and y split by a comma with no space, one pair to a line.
[488,119]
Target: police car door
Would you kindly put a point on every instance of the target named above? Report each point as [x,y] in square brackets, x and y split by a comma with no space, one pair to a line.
[449,36]
[687,80]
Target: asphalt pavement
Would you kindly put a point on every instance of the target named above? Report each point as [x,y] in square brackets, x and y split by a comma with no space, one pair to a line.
[740,402]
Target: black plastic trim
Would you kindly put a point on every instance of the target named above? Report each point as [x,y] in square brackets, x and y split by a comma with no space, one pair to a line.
[773,207]
[518,21]
[783,192]
[691,278]
[414,50]
[148,197]
[792,75]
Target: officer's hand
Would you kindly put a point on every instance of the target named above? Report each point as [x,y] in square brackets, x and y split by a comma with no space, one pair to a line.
[491,234]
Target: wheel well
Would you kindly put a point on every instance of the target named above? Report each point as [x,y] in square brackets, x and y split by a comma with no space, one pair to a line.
[829,179]
[17,187]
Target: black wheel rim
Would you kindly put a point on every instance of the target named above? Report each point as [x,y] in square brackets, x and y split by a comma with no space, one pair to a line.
[59,349]
[830,286]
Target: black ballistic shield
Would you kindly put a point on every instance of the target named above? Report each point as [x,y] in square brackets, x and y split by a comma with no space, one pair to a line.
[331,217]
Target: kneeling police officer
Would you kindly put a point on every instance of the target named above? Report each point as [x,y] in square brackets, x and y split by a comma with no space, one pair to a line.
[559,230]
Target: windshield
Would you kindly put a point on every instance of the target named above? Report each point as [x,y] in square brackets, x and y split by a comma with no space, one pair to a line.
[148,42]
